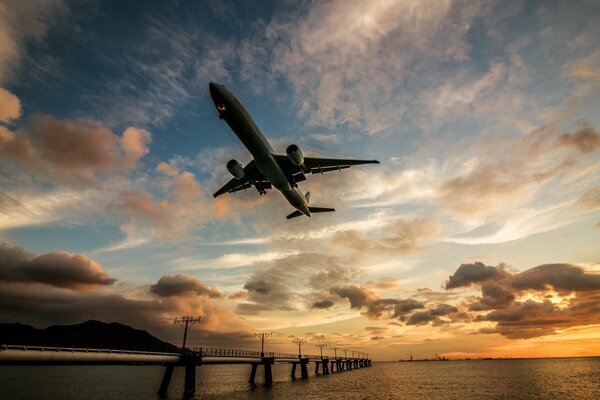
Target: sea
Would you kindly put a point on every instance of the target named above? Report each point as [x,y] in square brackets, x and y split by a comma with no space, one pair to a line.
[560,378]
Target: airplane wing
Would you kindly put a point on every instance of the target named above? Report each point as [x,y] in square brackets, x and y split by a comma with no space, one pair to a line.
[252,176]
[315,165]
[321,165]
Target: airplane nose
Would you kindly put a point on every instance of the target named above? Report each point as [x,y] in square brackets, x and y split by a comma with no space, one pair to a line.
[213,87]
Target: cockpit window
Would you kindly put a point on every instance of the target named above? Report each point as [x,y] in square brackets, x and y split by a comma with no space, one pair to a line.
[221,107]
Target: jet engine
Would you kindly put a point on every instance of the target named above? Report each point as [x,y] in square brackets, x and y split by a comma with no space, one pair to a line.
[235,168]
[295,155]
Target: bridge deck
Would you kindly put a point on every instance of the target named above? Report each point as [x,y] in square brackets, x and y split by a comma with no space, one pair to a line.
[14,354]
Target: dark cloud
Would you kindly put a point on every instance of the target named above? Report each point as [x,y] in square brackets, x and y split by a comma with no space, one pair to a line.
[404,307]
[269,293]
[323,304]
[358,296]
[60,269]
[560,277]
[275,285]
[43,305]
[365,300]
[431,315]
[182,285]
[493,296]
[541,314]
[585,140]
[468,274]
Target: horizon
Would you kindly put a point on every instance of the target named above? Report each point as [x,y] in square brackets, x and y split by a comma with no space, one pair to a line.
[476,236]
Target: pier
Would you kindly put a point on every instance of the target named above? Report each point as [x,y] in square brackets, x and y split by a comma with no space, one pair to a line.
[189,359]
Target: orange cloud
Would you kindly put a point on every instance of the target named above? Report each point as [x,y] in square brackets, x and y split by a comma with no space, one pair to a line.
[10,106]
[48,146]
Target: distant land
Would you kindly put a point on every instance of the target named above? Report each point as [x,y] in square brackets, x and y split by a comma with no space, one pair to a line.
[91,334]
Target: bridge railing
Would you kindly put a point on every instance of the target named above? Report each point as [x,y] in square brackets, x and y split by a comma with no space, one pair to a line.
[237,353]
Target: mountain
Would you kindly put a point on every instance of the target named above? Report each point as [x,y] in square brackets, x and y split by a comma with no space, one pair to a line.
[91,334]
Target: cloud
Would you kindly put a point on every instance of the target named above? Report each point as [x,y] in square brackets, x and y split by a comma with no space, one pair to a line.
[478,272]
[48,306]
[167,169]
[405,306]
[242,294]
[171,216]
[294,282]
[432,315]
[184,286]
[585,140]
[535,302]
[343,67]
[589,201]
[10,106]
[21,21]
[559,277]
[47,146]
[323,304]
[60,269]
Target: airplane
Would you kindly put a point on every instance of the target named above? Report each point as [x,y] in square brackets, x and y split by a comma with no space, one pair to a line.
[268,169]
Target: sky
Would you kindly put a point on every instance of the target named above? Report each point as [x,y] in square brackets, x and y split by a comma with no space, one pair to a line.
[477,235]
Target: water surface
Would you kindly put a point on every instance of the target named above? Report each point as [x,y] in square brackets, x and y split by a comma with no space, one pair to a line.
[567,378]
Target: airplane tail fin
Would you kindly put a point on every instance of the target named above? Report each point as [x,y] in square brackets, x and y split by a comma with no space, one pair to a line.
[312,210]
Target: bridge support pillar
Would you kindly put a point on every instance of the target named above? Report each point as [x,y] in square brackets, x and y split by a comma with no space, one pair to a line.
[164,384]
[317,367]
[190,379]
[294,370]
[267,362]
[252,374]
[304,368]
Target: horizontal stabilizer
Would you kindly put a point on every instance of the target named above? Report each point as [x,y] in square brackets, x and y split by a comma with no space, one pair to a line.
[294,214]
[312,210]
[320,209]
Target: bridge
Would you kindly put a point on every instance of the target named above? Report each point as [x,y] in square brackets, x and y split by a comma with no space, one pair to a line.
[188,359]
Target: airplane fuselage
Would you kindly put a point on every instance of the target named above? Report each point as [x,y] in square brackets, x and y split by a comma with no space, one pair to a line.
[241,123]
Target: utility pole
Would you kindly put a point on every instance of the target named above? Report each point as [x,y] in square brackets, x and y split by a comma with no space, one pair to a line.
[262,336]
[345,356]
[299,342]
[320,346]
[185,322]
[335,349]
[352,351]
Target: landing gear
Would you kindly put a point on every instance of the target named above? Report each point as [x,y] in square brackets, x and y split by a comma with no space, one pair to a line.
[262,187]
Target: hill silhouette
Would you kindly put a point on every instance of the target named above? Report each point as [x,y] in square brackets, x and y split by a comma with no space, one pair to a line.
[90,334]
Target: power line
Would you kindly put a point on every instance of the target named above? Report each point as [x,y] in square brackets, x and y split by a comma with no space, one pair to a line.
[299,342]
[185,323]
[320,346]
[262,336]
